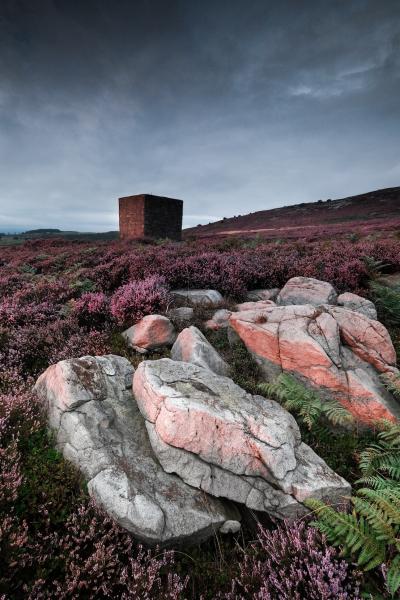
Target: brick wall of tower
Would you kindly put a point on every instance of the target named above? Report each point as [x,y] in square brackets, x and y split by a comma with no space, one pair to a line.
[145,215]
[131,217]
[163,217]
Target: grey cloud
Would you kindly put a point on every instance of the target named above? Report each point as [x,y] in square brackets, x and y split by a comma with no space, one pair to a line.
[233,106]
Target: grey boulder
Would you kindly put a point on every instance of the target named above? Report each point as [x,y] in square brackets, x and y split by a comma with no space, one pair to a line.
[222,440]
[99,428]
[198,297]
[306,290]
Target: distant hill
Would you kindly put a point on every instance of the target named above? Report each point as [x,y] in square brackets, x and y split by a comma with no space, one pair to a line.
[44,230]
[379,209]
[10,239]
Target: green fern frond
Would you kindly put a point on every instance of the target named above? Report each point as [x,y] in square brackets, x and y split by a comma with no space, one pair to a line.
[387,301]
[385,503]
[377,518]
[393,575]
[385,454]
[377,482]
[306,403]
[353,533]
[392,384]
[370,534]
[336,413]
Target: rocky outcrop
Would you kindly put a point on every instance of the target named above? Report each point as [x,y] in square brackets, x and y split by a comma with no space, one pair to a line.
[306,290]
[199,297]
[222,440]
[99,428]
[358,304]
[338,351]
[153,332]
[193,347]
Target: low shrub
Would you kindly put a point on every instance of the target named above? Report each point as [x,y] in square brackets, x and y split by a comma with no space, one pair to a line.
[95,559]
[92,309]
[136,299]
[293,562]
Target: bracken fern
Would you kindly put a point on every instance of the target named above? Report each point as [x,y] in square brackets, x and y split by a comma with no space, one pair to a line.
[306,403]
[371,532]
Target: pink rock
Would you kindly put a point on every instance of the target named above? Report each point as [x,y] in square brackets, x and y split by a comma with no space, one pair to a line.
[331,348]
[151,333]
[258,305]
[229,443]
[368,338]
[306,290]
[193,347]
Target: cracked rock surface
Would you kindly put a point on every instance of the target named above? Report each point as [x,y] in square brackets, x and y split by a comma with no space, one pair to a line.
[99,428]
[229,443]
[338,351]
[358,304]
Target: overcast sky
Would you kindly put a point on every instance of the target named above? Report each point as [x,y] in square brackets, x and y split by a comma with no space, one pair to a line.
[231,105]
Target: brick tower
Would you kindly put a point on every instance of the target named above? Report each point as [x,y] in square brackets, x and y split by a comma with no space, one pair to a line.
[145,215]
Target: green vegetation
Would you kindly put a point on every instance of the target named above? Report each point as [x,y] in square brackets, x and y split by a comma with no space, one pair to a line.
[370,532]
[387,302]
[306,404]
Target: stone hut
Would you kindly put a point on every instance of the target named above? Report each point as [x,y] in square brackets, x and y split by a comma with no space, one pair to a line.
[145,215]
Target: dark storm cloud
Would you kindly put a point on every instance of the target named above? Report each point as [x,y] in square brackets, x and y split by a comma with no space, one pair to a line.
[231,105]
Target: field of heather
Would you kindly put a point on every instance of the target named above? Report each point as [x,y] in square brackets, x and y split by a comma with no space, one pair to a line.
[60,300]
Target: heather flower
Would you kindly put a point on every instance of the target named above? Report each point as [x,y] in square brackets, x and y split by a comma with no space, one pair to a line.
[293,562]
[101,560]
[92,309]
[136,299]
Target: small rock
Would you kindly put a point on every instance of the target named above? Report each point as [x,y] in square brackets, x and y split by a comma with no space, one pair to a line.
[182,313]
[150,333]
[306,290]
[219,320]
[230,527]
[193,347]
[358,304]
[201,297]
[255,295]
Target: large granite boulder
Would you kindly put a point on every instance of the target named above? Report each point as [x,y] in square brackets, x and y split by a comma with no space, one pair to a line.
[99,428]
[153,332]
[338,351]
[198,297]
[358,304]
[193,347]
[306,290]
[222,440]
